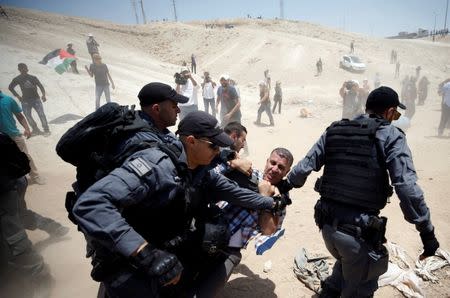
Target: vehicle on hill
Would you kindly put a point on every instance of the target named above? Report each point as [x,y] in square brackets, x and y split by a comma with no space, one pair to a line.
[352,63]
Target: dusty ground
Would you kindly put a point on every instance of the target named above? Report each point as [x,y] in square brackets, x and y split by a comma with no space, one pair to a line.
[137,55]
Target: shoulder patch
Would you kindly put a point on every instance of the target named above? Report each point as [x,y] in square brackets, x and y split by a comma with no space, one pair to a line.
[140,166]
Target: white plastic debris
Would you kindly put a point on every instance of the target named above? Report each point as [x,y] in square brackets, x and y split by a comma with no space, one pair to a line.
[267,266]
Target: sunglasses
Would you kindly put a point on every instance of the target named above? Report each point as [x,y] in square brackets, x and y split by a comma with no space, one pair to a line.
[211,145]
[397,114]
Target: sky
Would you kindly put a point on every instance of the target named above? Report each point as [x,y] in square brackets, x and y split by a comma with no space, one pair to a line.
[379,18]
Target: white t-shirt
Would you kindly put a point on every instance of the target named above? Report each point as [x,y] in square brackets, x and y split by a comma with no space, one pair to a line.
[208,90]
[190,91]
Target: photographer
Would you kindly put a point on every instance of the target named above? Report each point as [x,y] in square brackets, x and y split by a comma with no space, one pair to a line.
[349,93]
[186,86]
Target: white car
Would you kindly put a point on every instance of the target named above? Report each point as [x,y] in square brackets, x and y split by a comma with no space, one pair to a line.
[352,63]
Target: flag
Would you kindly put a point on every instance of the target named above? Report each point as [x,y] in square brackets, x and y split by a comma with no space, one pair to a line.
[58,59]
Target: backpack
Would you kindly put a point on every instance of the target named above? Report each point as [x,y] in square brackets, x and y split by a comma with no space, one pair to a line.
[14,162]
[91,144]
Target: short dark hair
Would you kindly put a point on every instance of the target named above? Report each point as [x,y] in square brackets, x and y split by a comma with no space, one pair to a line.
[284,153]
[21,65]
[234,127]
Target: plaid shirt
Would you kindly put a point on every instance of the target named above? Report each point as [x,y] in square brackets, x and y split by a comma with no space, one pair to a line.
[246,220]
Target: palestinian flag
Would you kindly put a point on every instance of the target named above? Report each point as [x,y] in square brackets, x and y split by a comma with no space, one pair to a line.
[58,59]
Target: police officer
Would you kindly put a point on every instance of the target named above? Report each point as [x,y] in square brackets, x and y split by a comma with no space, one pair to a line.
[358,157]
[159,108]
[131,217]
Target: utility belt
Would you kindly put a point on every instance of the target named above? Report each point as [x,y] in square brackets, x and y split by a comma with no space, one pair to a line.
[210,241]
[373,231]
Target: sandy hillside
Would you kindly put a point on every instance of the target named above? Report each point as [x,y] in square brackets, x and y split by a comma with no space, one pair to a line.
[137,55]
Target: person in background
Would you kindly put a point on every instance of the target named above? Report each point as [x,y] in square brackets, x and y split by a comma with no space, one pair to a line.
[73,64]
[229,99]
[30,98]
[422,91]
[208,87]
[444,91]
[100,72]
[8,110]
[349,94]
[277,98]
[193,64]
[188,89]
[264,104]
[92,46]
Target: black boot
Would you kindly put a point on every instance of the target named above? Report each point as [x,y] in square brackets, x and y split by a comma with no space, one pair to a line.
[328,292]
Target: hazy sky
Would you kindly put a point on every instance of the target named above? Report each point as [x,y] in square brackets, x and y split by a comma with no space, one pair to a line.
[377,18]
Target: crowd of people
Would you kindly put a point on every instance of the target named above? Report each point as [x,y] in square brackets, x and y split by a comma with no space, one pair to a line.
[171,218]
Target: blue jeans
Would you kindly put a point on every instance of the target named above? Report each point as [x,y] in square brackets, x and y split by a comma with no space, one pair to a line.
[35,104]
[265,107]
[99,89]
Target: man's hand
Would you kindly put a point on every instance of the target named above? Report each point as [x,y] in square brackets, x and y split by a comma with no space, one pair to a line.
[284,186]
[430,244]
[265,188]
[44,99]
[27,133]
[158,264]
[281,202]
[113,86]
[242,165]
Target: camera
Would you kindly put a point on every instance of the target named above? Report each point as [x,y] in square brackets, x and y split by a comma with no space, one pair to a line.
[348,85]
[180,79]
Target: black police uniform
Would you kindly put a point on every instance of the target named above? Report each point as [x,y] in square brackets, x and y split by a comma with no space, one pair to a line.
[358,156]
[145,200]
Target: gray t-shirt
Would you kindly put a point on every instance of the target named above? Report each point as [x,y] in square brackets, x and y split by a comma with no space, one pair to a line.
[229,98]
[100,73]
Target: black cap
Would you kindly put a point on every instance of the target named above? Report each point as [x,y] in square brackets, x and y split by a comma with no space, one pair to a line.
[157,92]
[202,125]
[383,97]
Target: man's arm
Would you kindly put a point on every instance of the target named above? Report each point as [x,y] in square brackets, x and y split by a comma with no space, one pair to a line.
[403,177]
[342,91]
[313,161]
[97,210]
[41,87]
[194,82]
[23,121]
[11,87]
[98,216]
[91,74]
[218,99]
[236,106]
[223,189]
[110,78]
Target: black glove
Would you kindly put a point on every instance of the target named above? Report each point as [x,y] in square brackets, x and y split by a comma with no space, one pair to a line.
[284,186]
[158,264]
[430,243]
[281,202]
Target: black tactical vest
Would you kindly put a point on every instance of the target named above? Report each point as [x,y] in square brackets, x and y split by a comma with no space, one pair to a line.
[354,172]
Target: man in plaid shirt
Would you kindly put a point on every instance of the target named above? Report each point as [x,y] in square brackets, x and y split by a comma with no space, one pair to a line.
[246,223]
